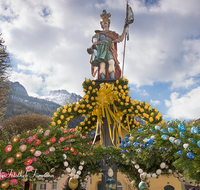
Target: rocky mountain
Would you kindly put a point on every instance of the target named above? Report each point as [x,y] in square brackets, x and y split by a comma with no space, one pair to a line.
[61,97]
[19,102]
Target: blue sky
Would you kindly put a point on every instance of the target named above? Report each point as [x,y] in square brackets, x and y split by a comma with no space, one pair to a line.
[47,42]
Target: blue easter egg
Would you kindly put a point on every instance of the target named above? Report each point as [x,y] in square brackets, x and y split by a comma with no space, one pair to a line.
[191,140]
[177,142]
[126,138]
[153,148]
[150,141]
[152,130]
[140,130]
[194,130]
[164,137]
[161,148]
[121,146]
[198,143]
[179,152]
[125,145]
[135,143]
[138,150]
[157,127]
[129,143]
[170,129]
[190,155]
[163,131]
[181,127]
[142,145]
[166,149]
[181,135]
[123,141]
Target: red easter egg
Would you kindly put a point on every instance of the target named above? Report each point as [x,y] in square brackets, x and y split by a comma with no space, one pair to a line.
[67,148]
[8,148]
[53,139]
[29,168]
[37,142]
[3,175]
[12,174]
[28,162]
[72,129]
[14,181]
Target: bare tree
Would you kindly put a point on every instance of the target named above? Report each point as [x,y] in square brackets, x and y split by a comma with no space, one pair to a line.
[4,75]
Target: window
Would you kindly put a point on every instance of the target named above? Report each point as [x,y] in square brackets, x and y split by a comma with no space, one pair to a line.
[119,185]
[43,186]
[54,186]
[168,187]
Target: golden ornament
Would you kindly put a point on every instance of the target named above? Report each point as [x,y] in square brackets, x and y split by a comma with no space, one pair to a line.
[5,185]
[9,161]
[18,155]
[52,170]
[24,179]
[72,149]
[14,139]
[32,150]
[73,183]
[48,143]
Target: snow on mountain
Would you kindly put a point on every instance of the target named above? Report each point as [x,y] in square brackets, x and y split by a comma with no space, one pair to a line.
[61,97]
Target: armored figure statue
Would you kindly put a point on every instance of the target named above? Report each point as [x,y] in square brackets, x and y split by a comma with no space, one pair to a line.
[104,60]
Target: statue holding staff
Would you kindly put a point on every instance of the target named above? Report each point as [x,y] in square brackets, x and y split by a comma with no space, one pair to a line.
[104,60]
[104,50]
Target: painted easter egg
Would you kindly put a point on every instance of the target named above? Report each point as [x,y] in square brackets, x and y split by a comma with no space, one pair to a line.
[163,131]
[157,127]
[170,129]
[190,155]
[181,127]
[164,137]
[194,130]
[8,148]
[181,135]
[198,143]
[172,139]
[177,142]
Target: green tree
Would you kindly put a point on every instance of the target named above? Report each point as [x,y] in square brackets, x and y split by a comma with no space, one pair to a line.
[4,75]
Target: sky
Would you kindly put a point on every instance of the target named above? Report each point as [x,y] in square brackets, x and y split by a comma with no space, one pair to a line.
[47,42]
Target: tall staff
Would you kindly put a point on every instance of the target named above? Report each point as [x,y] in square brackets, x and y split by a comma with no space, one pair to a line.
[129,19]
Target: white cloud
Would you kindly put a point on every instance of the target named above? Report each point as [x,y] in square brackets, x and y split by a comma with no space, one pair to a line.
[184,107]
[163,44]
[154,102]
[183,84]
[141,92]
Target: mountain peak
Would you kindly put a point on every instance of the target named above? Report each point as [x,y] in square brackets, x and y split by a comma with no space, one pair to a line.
[61,97]
[17,88]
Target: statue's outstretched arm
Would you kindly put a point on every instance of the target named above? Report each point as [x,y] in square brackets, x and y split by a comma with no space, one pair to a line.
[121,37]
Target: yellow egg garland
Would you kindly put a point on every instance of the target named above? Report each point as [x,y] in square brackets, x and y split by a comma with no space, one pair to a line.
[96,103]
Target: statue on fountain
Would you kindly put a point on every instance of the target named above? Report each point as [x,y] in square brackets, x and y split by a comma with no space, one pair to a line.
[104,62]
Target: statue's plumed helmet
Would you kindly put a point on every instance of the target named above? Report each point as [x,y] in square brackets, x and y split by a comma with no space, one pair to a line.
[105,15]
